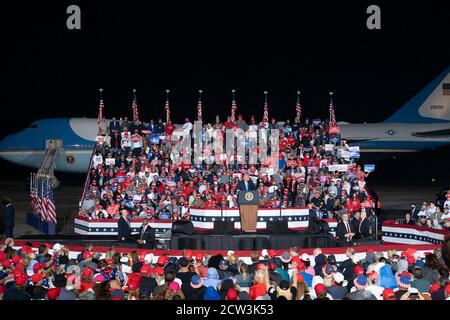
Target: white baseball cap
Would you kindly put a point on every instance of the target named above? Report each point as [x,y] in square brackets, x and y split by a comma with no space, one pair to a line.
[148,258]
[304,257]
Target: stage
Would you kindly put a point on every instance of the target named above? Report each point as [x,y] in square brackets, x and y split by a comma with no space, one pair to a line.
[251,241]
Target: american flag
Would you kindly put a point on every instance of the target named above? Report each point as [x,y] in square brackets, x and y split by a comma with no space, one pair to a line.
[167,107]
[233,107]
[33,194]
[199,106]
[266,109]
[50,202]
[298,108]
[332,115]
[134,107]
[100,108]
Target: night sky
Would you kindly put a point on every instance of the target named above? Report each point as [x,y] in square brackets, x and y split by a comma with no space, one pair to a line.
[51,71]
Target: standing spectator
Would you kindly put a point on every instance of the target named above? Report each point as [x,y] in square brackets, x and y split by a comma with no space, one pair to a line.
[124,227]
[430,270]
[10,218]
[114,126]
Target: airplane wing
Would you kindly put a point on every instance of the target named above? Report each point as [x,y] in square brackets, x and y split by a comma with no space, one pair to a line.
[432,134]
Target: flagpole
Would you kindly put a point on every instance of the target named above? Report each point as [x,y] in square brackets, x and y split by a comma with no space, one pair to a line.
[167,107]
[233,106]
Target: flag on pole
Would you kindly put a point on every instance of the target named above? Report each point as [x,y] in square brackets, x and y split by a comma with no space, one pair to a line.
[41,206]
[51,209]
[199,106]
[233,107]
[332,128]
[134,107]
[167,107]
[298,108]
[332,115]
[100,108]
[266,109]
[33,194]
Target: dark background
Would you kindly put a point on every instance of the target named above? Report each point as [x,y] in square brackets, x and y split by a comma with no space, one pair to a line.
[50,71]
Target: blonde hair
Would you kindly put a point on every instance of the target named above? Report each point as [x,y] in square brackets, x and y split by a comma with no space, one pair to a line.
[328,281]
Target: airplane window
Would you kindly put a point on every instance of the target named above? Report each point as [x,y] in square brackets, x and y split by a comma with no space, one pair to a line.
[33,125]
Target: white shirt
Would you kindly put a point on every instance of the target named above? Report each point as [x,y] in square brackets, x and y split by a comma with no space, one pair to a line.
[187,127]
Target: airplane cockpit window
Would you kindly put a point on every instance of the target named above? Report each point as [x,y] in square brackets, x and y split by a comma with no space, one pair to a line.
[33,125]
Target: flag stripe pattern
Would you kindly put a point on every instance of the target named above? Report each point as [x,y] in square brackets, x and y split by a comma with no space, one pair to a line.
[199,107]
[298,109]
[166,106]
[266,110]
[42,199]
[100,109]
[233,109]
[134,107]
[332,115]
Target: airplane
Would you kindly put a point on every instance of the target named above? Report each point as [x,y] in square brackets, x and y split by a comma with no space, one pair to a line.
[422,123]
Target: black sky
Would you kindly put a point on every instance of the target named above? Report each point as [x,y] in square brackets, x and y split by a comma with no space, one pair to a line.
[51,71]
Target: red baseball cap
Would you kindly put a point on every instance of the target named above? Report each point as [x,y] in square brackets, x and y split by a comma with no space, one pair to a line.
[411,260]
[21,280]
[15,259]
[6,263]
[87,254]
[388,294]
[159,271]
[447,289]
[37,267]
[435,287]
[35,278]
[320,288]
[359,270]
[232,294]
[53,293]
[87,272]
[188,254]
[27,250]
[146,269]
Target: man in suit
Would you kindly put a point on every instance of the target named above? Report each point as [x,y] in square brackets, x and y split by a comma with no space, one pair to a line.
[114,125]
[246,184]
[345,231]
[124,226]
[414,211]
[364,225]
[355,222]
[146,236]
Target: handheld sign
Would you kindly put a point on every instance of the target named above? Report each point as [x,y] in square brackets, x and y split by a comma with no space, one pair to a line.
[369,167]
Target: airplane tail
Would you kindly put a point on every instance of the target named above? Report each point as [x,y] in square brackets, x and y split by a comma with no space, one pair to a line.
[430,105]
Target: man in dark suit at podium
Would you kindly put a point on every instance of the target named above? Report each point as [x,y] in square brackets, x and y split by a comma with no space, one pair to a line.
[246,184]
[146,236]
[124,226]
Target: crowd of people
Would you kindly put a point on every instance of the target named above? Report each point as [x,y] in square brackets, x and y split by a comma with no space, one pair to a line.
[49,273]
[132,168]
[429,215]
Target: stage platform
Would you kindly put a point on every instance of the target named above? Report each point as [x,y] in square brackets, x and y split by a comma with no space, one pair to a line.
[251,241]
[203,241]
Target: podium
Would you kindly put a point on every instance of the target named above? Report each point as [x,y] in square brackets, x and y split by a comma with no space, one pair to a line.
[248,208]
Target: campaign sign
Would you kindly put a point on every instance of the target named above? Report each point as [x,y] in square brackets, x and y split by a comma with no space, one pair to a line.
[369,167]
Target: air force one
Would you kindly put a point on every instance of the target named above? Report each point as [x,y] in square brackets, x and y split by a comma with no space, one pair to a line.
[422,123]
